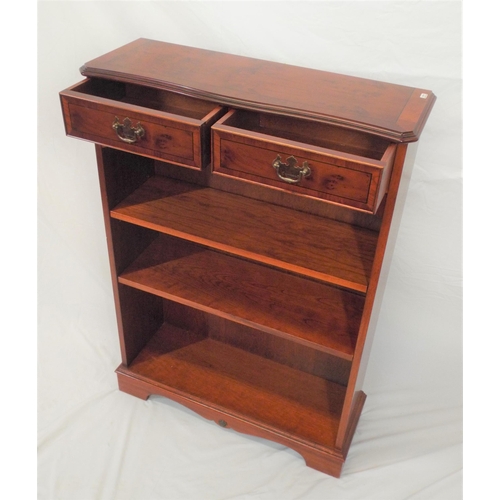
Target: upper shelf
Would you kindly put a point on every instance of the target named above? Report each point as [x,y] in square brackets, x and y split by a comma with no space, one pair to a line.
[322,249]
[393,111]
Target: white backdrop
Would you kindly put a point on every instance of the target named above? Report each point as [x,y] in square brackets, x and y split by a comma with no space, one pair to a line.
[97,443]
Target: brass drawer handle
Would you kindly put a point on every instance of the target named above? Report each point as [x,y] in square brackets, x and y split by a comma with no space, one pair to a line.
[289,171]
[126,132]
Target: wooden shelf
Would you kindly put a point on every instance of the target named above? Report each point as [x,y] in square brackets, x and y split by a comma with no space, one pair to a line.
[308,312]
[234,381]
[331,251]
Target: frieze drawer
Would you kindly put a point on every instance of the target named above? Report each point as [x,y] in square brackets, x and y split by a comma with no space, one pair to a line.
[142,120]
[310,158]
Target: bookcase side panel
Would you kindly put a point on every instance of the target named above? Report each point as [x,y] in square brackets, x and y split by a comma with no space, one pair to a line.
[391,218]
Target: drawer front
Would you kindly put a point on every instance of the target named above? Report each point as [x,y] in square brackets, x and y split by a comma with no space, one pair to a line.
[321,178]
[294,167]
[177,139]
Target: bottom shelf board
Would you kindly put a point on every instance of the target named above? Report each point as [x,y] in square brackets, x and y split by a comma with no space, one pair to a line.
[265,393]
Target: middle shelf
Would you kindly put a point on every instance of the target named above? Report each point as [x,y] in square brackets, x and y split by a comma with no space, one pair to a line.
[311,313]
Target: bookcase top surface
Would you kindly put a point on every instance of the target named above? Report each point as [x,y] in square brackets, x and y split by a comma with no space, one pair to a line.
[388,110]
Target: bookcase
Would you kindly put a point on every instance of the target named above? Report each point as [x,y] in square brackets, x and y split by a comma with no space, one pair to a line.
[251,208]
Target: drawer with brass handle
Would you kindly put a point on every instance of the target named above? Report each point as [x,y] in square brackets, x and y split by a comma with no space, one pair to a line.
[146,121]
[309,158]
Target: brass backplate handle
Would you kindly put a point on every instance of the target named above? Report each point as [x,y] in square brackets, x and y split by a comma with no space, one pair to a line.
[126,132]
[289,171]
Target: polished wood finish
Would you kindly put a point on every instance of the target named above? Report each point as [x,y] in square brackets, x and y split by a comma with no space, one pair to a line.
[396,197]
[280,197]
[246,144]
[318,315]
[331,251]
[251,301]
[323,458]
[282,349]
[393,111]
[175,129]
[232,379]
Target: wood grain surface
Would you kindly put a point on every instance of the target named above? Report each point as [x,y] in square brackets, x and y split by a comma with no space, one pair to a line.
[332,251]
[223,376]
[389,110]
[312,313]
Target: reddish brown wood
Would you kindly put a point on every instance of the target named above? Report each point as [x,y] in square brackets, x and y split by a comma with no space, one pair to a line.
[256,191]
[90,111]
[332,251]
[393,111]
[326,460]
[273,347]
[374,295]
[121,174]
[217,377]
[314,314]
[131,385]
[243,384]
[248,150]
[252,304]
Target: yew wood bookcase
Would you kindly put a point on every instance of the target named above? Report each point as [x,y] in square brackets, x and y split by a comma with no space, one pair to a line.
[250,209]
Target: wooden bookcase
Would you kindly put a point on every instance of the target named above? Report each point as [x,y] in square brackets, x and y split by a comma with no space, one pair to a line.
[250,210]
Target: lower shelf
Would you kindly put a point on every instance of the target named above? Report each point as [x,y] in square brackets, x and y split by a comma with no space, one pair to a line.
[242,390]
